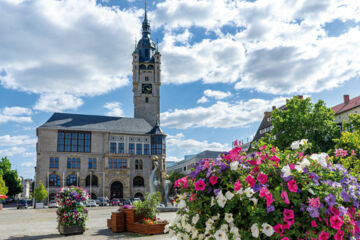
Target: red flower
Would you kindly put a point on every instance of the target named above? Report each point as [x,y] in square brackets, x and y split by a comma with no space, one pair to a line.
[213,180]
[200,185]
[262,178]
[292,186]
[237,185]
[250,180]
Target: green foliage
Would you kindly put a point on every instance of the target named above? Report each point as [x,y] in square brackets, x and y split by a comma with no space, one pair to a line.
[349,141]
[10,177]
[148,207]
[173,176]
[353,124]
[40,192]
[3,187]
[303,120]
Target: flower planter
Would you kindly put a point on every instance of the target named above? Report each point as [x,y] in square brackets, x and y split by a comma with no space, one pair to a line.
[1,207]
[117,222]
[147,229]
[131,217]
[71,230]
[39,205]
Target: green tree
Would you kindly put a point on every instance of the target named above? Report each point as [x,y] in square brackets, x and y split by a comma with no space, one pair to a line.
[10,177]
[353,124]
[300,119]
[3,187]
[40,192]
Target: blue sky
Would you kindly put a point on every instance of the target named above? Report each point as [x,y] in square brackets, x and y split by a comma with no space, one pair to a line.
[224,64]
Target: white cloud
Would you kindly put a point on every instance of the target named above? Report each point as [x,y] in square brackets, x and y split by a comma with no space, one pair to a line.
[180,143]
[19,140]
[203,99]
[220,115]
[173,159]
[8,152]
[216,94]
[68,47]
[114,109]
[57,102]
[15,114]
[28,164]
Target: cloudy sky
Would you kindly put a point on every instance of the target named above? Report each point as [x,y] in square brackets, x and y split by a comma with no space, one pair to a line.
[224,64]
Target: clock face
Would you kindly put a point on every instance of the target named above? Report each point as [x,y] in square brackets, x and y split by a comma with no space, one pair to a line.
[146,88]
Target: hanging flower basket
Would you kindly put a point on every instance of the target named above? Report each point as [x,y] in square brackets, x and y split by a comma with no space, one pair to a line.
[72,213]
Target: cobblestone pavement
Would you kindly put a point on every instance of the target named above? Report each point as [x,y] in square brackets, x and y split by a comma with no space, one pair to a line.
[34,224]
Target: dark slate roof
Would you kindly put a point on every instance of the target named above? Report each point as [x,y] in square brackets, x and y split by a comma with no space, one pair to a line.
[264,124]
[343,107]
[156,130]
[80,122]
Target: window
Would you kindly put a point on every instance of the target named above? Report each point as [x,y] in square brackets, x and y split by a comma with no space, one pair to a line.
[72,180]
[112,147]
[146,78]
[146,99]
[92,163]
[156,142]
[94,181]
[147,53]
[131,148]
[138,164]
[138,148]
[117,163]
[138,181]
[121,148]
[73,163]
[74,141]
[54,180]
[146,149]
[54,162]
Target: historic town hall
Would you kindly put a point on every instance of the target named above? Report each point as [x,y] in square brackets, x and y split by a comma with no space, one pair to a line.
[109,156]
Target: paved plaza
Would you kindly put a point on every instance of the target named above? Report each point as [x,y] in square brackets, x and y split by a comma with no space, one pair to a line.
[41,224]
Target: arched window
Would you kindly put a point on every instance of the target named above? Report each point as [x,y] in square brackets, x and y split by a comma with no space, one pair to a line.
[94,181]
[138,181]
[54,180]
[142,66]
[139,195]
[150,67]
[72,180]
[138,164]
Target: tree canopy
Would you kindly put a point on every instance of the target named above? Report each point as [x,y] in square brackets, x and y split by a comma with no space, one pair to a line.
[10,177]
[300,119]
[40,192]
[3,187]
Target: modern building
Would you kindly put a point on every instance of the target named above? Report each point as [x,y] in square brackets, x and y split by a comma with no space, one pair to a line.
[185,165]
[109,156]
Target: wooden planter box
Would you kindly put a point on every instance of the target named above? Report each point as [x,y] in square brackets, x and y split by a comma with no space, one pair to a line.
[130,216]
[1,206]
[117,222]
[147,229]
[70,230]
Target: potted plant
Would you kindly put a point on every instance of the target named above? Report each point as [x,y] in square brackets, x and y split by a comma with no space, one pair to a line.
[40,194]
[72,213]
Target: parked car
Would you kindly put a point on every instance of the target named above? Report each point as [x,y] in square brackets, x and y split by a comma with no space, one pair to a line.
[91,203]
[125,201]
[136,200]
[115,202]
[53,203]
[22,204]
[102,202]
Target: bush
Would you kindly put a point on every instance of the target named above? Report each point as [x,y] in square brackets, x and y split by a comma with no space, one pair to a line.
[148,208]
[270,194]
[40,192]
[71,209]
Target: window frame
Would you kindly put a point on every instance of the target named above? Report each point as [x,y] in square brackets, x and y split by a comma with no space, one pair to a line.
[74,141]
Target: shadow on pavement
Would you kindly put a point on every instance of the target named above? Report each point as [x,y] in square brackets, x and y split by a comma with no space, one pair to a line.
[110,235]
[47,236]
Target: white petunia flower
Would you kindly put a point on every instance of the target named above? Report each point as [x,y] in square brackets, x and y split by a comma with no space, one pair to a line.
[201,236]
[229,195]
[286,171]
[320,158]
[220,235]
[255,230]
[295,145]
[229,217]
[303,141]
[267,229]
[212,201]
[195,219]
[166,229]
[221,200]
[216,217]
[234,165]
[254,200]
[305,163]
[181,204]
[194,234]
[224,227]
[298,168]
[249,192]
[187,227]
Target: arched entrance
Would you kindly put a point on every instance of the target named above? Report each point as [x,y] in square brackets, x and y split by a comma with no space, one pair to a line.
[116,190]
[139,195]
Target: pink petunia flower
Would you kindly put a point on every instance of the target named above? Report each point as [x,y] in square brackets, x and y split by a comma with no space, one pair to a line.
[292,186]
[314,202]
[336,222]
[288,214]
[192,197]
[213,180]
[263,192]
[313,224]
[278,228]
[200,185]
[250,180]
[339,235]
[324,235]
[285,197]
[269,199]
[237,185]
[262,178]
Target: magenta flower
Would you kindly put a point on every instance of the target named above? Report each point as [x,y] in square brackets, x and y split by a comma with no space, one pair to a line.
[288,214]
[269,199]
[285,197]
[292,186]
[200,185]
[336,222]
[192,197]
[324,235]
[262,178]
[339,235]
[263,192]
[213,180]
[314,202]
[313,223]
[237,185]
[250,180]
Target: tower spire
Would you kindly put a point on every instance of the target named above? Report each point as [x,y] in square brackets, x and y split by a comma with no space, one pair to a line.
[146,24]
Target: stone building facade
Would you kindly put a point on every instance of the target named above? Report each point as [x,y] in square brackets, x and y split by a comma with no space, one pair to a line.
[109,156]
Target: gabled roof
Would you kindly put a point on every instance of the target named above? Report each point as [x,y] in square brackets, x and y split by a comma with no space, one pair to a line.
[156,130]
[81,122]
[342,107]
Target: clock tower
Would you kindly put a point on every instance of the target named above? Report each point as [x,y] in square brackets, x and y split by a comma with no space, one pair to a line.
[146,77]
